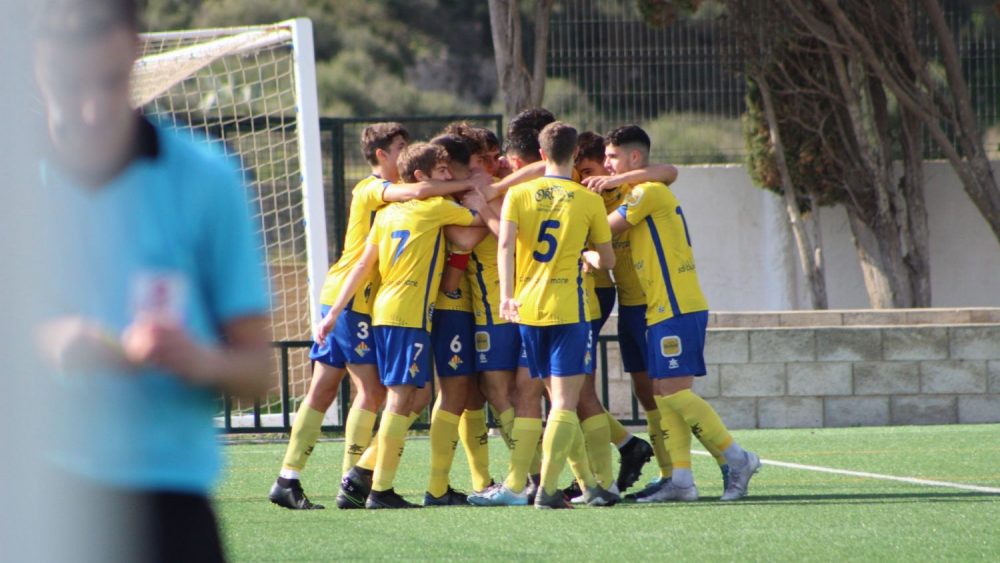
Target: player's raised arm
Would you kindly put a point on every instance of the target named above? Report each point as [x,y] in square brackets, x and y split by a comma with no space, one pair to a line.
[666,173]
[523,174]
[432,188]
[463,238]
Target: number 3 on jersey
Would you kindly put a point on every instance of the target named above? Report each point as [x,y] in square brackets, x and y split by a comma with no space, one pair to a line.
[548,239]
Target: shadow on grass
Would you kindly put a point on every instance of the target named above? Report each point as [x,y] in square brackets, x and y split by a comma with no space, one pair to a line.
[853,498]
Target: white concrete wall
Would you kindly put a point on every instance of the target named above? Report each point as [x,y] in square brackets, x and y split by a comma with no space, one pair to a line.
[747,260]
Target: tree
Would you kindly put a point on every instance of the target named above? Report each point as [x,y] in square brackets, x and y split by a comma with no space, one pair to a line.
[770,162]
[839,117]
[903,68]
[521,88]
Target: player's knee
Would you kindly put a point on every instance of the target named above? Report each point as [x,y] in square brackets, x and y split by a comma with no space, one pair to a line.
[325,386]
[370,399]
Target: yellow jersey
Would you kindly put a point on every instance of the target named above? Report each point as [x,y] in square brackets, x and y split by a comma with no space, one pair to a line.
[661,252]
[411,258]
[630,291]
[612,200]
[484,279]
[366,199]
[555,218]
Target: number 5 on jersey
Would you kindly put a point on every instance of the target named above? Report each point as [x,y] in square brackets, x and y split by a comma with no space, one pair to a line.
[549,239]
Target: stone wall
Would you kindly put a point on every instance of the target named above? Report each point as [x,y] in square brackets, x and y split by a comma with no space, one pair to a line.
[862,374]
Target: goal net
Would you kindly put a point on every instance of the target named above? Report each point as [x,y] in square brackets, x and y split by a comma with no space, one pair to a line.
[253,90]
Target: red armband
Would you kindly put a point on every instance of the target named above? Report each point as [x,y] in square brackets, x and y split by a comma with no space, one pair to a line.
[458,261]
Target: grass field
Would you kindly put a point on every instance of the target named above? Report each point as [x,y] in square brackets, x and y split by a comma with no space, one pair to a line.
[792,514]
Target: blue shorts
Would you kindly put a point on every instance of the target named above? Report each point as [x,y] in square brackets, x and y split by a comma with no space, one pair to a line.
[632,337]
[404,355]
[351,341]
[558,350]
[498,347]
[677,346]
[452,336]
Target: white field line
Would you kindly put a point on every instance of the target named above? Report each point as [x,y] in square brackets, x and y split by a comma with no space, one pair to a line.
[865,474]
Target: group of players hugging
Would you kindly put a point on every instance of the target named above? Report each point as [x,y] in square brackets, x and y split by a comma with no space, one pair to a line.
[497,273]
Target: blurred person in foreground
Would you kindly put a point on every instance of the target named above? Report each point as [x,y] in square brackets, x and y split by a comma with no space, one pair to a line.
[158,295]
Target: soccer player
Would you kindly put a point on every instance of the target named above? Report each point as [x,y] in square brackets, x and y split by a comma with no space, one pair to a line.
[506,380]
[676,320]
[159,300]
[406,243]
[452,340]
[352,345]
[550,303]
[632,305]
[599,427]
[472,424]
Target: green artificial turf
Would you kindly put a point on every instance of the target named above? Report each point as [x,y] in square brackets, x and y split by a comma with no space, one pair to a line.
[791,514]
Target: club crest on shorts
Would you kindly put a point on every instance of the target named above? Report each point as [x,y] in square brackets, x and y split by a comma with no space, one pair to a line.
[361,349]
[455,361]
[482,341]
[670,346]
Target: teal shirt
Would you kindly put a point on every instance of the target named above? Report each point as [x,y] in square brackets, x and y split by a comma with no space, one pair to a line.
[171,233]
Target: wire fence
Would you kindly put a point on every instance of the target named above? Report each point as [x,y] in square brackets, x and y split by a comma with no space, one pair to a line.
[607,68]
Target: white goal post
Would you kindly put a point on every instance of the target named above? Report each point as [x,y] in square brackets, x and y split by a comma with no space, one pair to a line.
[254,90]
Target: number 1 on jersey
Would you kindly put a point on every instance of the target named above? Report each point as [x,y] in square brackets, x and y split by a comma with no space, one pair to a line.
[548,238]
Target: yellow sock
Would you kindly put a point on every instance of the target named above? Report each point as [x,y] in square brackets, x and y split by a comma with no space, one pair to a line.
[357,436]
[475,438]
[716,453]
[618,431]
[536,459]
[579,460]
[411,419]
[305,432]
[524,433]
[597,438]
[368,459]
[560,430]
[676,435]
[506,420]
[656,439]
[391,437]
[444,439]
[701,417]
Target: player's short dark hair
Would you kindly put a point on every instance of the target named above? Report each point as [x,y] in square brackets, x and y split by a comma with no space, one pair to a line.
[472,136]
[523,144]
[534,118]
[558,140]
[492,142]
[459,148]
[420,156]
[379,136]
[591,147]
[81,20]
[629,135]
